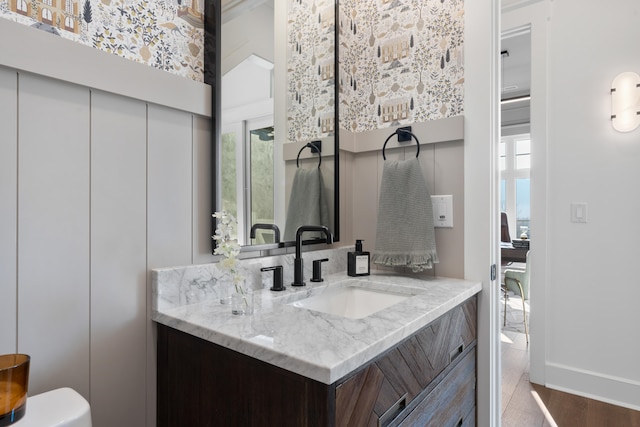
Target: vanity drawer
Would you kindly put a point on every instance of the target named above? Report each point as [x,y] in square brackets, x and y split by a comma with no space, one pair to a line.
[382,389]
[452,402]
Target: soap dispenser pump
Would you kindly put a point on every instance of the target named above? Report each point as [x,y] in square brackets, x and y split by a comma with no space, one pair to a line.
[358,261]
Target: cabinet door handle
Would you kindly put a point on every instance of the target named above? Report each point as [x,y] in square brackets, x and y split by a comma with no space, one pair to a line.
[456,352]
[393,411]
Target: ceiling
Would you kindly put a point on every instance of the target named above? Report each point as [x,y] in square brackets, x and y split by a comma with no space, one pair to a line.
[233,8]
[516,65]
[516,79]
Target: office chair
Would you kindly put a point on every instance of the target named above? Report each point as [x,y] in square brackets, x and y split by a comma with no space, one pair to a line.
[517,281]
[504,228]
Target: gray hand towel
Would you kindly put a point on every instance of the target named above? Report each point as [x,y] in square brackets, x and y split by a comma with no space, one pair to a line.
[405,234]
[307,203]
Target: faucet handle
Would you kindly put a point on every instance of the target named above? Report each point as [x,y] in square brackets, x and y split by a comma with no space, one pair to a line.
[317,270]
[277,277]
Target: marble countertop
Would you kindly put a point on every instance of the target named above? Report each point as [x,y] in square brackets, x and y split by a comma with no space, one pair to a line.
[320,346]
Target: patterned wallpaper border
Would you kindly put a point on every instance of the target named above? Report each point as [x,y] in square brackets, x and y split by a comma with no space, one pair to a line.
[165,34]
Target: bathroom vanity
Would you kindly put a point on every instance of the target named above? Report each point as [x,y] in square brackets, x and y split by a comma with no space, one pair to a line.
[411,363]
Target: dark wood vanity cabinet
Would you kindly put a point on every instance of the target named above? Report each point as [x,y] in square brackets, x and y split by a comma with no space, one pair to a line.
[425,373]
[428,379]
[201,384]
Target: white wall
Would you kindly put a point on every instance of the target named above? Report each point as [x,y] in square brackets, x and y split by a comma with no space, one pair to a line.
[96,189]
[118,256]
[53,226]
[8,210]
[593,289]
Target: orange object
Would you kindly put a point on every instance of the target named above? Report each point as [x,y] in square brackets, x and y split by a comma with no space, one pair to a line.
[14,384]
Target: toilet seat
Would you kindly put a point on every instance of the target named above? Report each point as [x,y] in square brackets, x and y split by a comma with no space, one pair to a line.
[63,407]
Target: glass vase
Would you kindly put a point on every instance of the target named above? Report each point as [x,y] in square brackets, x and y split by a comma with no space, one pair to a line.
[241,299]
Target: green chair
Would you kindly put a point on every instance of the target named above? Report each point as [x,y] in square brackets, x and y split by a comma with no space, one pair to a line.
[517,281]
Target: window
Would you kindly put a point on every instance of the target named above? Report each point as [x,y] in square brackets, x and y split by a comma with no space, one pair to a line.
[246,174]
[68,23]
[515,185]
[47,16]
[22,7]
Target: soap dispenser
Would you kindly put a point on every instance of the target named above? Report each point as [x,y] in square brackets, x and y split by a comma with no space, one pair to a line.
[358,262]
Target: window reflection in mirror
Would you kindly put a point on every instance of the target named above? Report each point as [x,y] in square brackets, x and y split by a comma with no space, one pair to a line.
[249,195]
[228,176]
[260,196]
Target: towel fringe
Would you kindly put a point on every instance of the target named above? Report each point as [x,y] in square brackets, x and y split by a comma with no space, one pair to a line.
[417,262]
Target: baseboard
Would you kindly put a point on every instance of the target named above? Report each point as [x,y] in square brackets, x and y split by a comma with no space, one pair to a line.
[593,385]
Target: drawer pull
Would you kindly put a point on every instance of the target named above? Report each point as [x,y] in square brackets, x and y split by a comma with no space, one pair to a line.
[393,411]
[456,352]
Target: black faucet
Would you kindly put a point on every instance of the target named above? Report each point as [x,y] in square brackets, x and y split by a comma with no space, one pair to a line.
[277,277]
[276,231]
[298,279]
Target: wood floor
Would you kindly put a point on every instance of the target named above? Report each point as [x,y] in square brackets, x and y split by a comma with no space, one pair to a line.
[528,405]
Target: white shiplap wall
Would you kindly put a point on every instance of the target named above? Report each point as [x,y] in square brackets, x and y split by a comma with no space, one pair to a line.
[97,188]
[53,232]
[8,209]
[118,256]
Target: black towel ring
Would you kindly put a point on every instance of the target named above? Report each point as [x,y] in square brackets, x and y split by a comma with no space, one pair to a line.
[397,132]
[314,149]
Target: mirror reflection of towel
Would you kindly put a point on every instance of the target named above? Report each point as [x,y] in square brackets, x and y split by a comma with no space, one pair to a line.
[405,235]
[307,202]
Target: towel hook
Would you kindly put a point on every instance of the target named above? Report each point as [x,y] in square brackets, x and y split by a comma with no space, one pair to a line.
[315,147]
[397,132]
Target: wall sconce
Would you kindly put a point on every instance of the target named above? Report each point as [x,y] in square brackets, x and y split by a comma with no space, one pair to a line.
[625,102]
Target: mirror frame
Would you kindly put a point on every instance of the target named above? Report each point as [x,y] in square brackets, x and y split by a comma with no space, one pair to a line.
[213,77]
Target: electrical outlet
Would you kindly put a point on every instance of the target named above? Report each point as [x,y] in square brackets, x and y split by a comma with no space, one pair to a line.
[442,211]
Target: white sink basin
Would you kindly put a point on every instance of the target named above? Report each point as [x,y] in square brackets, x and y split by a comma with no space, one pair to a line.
[354,302]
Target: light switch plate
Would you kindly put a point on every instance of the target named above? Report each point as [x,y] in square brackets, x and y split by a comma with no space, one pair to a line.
[579,212]
[442,211]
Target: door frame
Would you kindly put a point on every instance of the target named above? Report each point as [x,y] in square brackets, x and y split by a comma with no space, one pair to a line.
[481,195]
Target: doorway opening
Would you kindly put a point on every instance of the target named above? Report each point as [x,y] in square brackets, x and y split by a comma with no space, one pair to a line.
[515,154]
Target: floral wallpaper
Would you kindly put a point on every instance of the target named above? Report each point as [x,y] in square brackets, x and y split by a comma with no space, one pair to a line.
[165,34]
[310,69]
[401,62]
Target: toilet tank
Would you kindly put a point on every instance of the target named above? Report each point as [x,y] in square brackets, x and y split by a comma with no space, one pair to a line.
[63,407]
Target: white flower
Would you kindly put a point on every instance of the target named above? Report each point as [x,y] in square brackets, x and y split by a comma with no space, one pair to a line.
[228,247]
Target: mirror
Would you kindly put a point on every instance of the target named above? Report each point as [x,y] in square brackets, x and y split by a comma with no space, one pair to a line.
[275,117]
